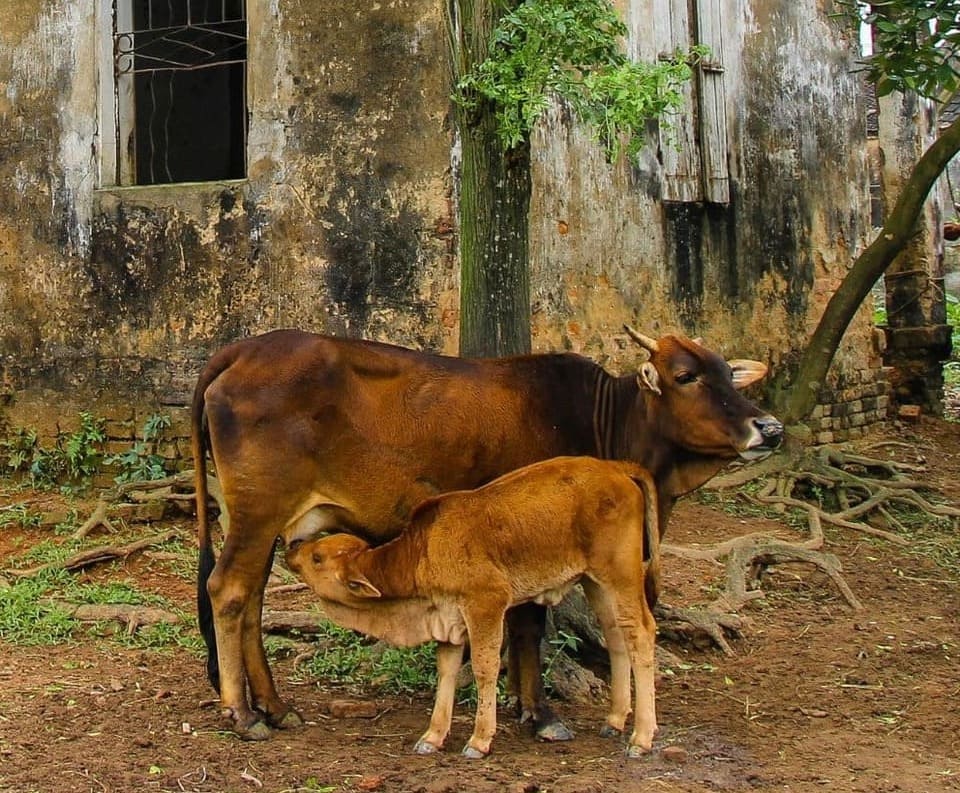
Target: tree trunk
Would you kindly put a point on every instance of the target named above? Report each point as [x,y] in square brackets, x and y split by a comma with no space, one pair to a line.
[794,403]
[494,207]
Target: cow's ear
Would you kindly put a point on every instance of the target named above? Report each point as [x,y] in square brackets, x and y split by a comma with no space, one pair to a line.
[359,586]
[746,372]
[649,377]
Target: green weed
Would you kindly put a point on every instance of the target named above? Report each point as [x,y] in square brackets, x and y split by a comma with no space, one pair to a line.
[141,462]
[562,644]
[74,459]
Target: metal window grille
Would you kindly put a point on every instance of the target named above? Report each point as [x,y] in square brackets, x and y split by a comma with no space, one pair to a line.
[179,90]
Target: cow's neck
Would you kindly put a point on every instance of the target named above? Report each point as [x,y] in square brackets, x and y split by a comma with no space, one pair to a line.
[626,431]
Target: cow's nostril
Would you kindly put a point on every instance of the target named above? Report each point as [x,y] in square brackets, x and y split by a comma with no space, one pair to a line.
[770,429]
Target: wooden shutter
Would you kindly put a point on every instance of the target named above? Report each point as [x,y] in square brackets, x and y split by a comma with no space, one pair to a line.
[678,144]
[713,106]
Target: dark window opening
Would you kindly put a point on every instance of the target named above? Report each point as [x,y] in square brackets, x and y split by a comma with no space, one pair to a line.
[187,59]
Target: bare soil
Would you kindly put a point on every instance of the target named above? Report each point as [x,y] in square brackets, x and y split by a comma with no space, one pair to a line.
[816,698]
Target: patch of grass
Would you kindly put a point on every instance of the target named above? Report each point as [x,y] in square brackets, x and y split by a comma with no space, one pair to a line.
[348,658]
[933,537]
[27,618]
[113,592]
[45,552]
[406,670]
[165,636]
[18,516]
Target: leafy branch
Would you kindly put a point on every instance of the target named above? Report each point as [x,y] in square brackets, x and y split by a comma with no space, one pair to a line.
[915,43]
[572,50]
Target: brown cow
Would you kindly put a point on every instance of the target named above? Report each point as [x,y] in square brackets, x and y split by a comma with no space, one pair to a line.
[310,433]
[469,555]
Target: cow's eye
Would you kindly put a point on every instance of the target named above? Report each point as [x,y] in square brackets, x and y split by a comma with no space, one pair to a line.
[684,378]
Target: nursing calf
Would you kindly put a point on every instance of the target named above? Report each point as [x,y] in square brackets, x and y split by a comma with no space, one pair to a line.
[469,555]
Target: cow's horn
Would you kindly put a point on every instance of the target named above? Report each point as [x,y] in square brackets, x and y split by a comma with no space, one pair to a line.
[644,341]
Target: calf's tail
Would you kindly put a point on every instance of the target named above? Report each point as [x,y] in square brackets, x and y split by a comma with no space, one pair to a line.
[651,533]
[200,439]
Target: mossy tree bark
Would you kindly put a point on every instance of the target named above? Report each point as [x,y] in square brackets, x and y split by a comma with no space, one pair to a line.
[795,402]
[495,188]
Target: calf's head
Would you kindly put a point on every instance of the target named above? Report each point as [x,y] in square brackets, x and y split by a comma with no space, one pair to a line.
[693,396]
[325,564]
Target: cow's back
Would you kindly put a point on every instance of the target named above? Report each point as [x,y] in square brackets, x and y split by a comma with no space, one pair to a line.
[361,431]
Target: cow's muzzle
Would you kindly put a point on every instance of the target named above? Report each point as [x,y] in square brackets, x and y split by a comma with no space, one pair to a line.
[770,430]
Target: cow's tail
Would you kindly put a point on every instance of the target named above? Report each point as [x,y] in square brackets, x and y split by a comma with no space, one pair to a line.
[206,558]
[651,532]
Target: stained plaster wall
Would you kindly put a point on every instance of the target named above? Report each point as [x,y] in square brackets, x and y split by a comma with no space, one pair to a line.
[111,298]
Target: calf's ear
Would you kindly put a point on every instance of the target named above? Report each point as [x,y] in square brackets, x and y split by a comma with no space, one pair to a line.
[746,372]
[649,377]
[359,586]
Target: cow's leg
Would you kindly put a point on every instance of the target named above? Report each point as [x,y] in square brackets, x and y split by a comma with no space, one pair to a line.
[484,620]
[639,630]
[449,660]
[526,628]
[236,587]
[619,658]
[263,691]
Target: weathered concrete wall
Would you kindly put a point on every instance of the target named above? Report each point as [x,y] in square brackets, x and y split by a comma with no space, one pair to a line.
[116,295]
[111,298]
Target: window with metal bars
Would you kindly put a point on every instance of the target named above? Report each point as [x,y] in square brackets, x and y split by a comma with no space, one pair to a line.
[179,91]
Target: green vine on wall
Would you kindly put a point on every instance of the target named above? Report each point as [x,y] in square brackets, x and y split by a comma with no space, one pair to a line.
[573,50]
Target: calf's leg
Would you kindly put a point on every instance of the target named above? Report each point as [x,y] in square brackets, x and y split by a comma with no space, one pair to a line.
[449,660]
[606,613]
[485,627]
[639,630]
[526,628]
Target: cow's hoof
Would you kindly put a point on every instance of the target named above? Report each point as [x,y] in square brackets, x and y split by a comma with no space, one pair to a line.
[255,731]
[472,754]
[606,731]
[554,731]
[425,747]
[288,721]
[636,752]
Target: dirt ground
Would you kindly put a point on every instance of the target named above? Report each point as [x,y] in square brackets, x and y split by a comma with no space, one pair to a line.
[816,697]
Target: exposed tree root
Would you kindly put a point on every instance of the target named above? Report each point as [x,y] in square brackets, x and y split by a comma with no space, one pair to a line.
[861,488]
[92,556]
[131,616]
[127,501]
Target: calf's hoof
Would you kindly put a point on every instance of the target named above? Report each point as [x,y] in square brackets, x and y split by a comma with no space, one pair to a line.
[425,747]
[635,752]
[608,731]
[472,753]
